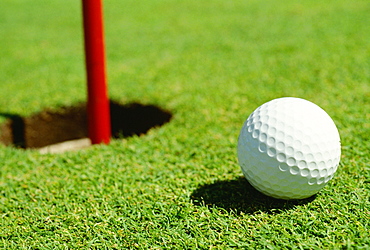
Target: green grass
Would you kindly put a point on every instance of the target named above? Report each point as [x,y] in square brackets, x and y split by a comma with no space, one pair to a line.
[211,63]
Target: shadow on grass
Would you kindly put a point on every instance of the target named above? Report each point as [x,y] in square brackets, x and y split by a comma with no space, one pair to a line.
[70,123]
[239,196]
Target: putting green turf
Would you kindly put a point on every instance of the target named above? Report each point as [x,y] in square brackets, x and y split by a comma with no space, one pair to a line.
[211,63]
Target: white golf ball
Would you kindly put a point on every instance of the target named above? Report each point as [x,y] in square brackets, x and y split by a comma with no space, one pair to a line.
[289,148]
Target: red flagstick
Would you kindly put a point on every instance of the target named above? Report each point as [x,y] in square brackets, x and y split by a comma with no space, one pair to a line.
[98,103]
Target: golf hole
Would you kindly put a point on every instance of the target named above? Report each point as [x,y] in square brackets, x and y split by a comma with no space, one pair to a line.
[50,127]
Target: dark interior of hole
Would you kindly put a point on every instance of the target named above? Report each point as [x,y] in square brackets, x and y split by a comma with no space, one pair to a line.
[70,123]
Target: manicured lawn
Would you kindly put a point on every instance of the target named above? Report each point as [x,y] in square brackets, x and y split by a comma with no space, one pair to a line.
[210,63]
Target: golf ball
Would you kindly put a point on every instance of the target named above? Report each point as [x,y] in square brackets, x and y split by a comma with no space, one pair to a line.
[289,148]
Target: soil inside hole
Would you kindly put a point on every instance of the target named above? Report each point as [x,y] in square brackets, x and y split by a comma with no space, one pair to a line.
[70,123]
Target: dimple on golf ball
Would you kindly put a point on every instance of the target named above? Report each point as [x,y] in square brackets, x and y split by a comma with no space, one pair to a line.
[289,148]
